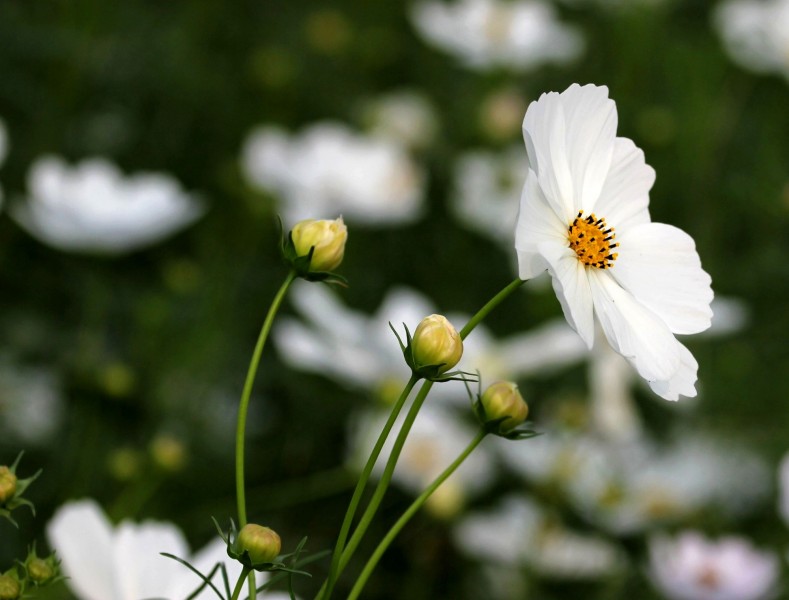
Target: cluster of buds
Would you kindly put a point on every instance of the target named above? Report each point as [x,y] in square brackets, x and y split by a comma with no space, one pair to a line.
[433,350]
[12,489]
[35,572]
[315,248]
[501,410]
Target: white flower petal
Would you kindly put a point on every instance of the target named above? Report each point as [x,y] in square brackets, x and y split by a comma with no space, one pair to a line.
[658,264]
[141,571]
[82,537]
[683,382]
[590,121]
[537,223]
[571,284]
[633,330]
[624,199]
[545,135]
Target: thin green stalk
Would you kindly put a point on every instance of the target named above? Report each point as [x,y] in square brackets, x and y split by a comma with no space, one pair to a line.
[362,483]
[386,477]
[244,407]
[240,583]
[412,510]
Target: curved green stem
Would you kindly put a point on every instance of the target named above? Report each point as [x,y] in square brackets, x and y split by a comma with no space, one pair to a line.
[243,407]
[240,583]
[386,477]
[412,510]
[361,484]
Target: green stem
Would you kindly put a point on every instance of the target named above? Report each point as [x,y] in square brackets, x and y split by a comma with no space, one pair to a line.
[412,510]
[244,407]
[240,583]
[386,477]
[361,484]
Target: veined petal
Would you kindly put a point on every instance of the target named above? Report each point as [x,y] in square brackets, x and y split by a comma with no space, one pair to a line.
[571,284]
[683,383]
[545,134]
[624,199]
[590,123]
[82,537]
[537,223]
[633,330]
[658,264]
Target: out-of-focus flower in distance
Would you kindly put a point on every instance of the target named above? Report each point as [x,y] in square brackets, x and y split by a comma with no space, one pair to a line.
[692,567]
[102,562]
[584,217]
[783,489]
[329,169]
[756,34]
[3,152]
[31,405]
[361,351]
[487,187]
[484,34]
[92,207]
[406,117]
[436,439]
[517,532]
[628,487]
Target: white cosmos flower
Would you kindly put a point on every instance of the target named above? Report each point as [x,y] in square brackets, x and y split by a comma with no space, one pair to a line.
[517,532]
[361,351]
[483,34]
[584,217]
[328,169]
[103,562]
[691,567]
[93,207]
[756,33]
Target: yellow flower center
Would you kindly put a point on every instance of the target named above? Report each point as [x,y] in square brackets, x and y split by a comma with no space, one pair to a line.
[592,240]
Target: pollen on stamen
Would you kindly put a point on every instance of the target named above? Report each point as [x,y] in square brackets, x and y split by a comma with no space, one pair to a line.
[592,240]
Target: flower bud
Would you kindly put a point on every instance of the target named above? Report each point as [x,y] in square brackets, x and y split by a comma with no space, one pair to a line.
[39,570]
[7,484]
[502,400]
[326,236]
[10,588]
[261,543]
[436,342]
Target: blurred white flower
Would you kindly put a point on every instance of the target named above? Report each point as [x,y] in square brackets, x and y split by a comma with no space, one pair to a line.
[756,33]
[102,562]
[31,407]
[361,351]
[328,169]
[783,488]
[405,117]
[435,440]
[486,190]
[691,567]
[483,34]
[93,207]
[517,532]
[644,281]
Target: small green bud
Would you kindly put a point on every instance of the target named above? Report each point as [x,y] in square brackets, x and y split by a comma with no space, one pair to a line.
[7,484]
[10,588]
[39,570]
[261,543]
[436,342]
[502,400]
[326,237]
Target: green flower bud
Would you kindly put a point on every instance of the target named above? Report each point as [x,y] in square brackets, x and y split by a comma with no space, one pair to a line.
[7,484]
[502,400]
[326,236]
[261,543]
[436,342]
[10,588]
[39,570]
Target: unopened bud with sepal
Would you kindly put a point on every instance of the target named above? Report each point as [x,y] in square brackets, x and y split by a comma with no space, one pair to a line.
[504,405]
[262,544]
[315,248]
[434,349]
[8,483]
[10,585]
